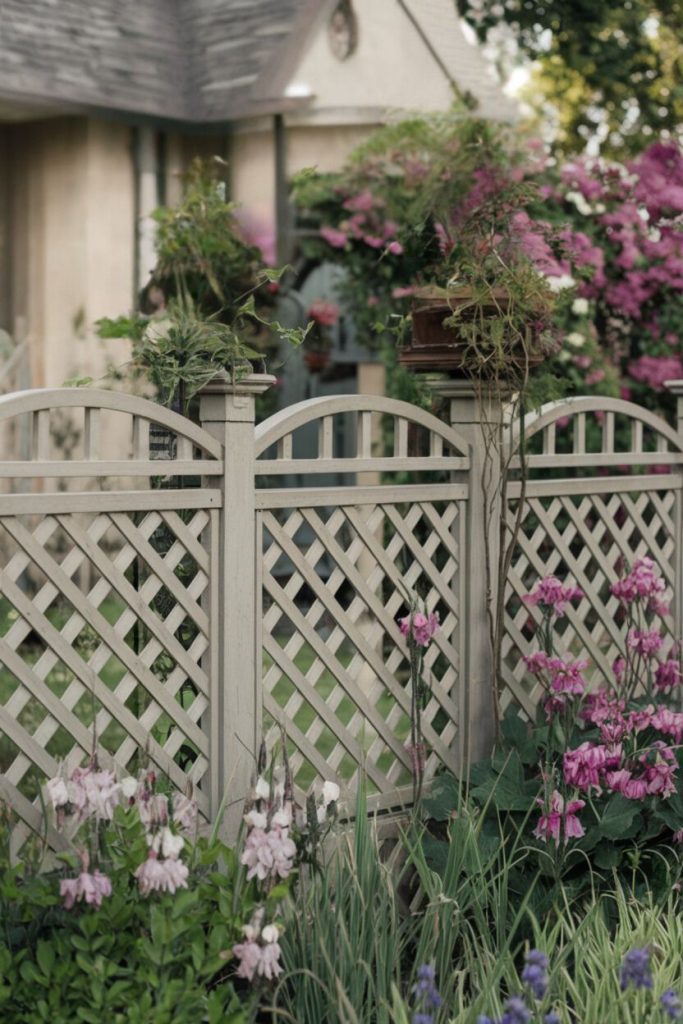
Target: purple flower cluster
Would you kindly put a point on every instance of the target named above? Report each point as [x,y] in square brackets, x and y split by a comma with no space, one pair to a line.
[426,996]
[635,970]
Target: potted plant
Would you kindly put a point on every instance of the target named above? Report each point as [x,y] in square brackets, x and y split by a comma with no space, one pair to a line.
[317,347]
[493,314]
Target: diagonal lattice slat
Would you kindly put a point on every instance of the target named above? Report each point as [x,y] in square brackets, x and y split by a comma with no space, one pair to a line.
[585,537]
[334,583]
[112,659]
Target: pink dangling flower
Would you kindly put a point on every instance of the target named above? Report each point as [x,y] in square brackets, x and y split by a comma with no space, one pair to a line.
[91,888]
[560,821]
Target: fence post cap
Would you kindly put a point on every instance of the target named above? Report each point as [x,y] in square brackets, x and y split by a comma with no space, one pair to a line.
[674,386]
[250,384]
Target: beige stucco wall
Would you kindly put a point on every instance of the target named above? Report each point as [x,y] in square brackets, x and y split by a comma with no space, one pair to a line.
[72,241]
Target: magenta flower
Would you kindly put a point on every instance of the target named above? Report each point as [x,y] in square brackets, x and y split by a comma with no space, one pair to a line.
[395,248]
[361,203]
[582,766]
[643,582]
[552,596]
[668,722]
[91,888]
[559,821]
[419,627]
[668,675]
[644,641]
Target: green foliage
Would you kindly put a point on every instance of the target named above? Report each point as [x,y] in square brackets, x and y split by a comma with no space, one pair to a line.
[213,291]
[155,960]
[628,836]
[611,70]
[200,247]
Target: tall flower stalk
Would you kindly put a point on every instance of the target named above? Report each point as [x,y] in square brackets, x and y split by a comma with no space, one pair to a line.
[419,628]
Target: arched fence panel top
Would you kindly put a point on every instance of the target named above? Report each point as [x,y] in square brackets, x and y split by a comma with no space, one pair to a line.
[89,432]
[357,434]
[598,433]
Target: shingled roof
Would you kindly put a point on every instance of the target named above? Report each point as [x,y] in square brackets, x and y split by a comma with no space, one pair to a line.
[182,60]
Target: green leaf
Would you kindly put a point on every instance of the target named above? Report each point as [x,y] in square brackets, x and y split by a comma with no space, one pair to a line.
[619,817]
[45,957]
[607,856]
[443,797]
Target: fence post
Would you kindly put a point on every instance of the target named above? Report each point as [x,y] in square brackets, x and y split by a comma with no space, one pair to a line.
[480,416]
[675,387]
[227,412]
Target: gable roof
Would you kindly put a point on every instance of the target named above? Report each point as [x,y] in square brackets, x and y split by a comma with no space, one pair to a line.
[182,60]
[191,61]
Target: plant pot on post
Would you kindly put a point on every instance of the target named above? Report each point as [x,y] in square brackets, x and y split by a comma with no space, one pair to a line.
[464,334]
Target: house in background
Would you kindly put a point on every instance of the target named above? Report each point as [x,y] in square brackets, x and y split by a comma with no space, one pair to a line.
[103,103]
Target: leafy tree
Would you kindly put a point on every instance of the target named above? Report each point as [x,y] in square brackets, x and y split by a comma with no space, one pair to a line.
[611,70]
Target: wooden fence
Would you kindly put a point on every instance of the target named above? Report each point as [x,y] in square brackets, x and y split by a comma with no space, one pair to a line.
[178,610]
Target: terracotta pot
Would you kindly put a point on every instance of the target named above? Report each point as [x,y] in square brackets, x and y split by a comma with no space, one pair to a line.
[316,361]
[439,348]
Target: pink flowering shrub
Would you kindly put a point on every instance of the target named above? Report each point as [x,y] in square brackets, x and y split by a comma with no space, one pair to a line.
[607,236]
[136,890]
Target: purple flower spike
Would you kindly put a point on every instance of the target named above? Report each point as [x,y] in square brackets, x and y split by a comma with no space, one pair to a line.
[671,1004]
[635,969]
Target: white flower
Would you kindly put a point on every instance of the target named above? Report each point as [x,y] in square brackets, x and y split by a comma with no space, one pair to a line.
[600,207]
[283,817]
[330,793]
[558,284]
[262,789]
[129,787]
[576,339]
[564,356]
[58,792]
[171,845]
[270,933]
[579,202]
[256,819]
[580,307]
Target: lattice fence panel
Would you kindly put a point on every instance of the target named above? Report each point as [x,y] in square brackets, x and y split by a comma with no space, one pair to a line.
[586,538]
[336,674]
[104,633]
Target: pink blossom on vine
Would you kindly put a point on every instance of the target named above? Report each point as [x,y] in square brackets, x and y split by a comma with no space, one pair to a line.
[552,596]
[645,642]
[337,239]
[420,628]
[668,674]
